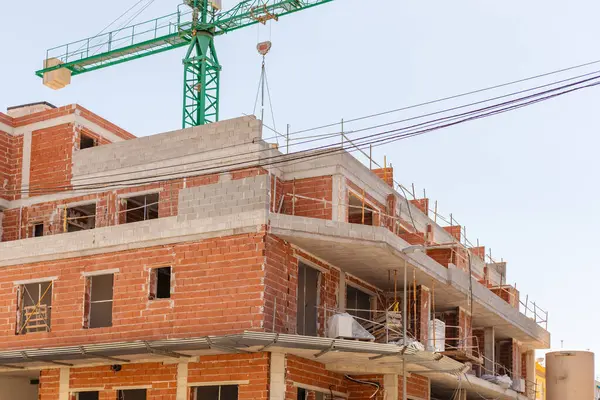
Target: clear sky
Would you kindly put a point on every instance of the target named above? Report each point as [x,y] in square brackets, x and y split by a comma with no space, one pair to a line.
[525,183]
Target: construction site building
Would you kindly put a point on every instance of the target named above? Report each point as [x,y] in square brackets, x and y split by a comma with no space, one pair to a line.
[205,263]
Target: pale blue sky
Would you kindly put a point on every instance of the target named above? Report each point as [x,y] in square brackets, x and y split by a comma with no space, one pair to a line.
[524,183]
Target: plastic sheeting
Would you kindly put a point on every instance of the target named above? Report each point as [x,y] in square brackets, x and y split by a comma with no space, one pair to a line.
[503,381]
[411,343]
[343,325]
[439,344]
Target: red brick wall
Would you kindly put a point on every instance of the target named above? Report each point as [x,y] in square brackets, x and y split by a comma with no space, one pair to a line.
[421,204]
[51,150]
[281,275]
[480,342]
[10,165]
[358,391]
[313,188]
[385,174]
[507,293]
[308,372]
[378,208]
[281,280]
[43,115]
[417,386]
[107,205]
[51,155]
[48,388]
[161,377]
[6,179]
[218,289]
[509,355]
[234,367]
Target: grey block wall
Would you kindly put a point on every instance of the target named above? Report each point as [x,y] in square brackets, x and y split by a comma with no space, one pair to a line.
[165,146]
[224,198]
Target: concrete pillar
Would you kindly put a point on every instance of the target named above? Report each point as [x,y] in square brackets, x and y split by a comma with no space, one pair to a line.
[342,292]
[338,198]
[277,377]
[63,384]
[423,314]
[530,374]
[489,351]
[182,381]
[390,386]
[26,164]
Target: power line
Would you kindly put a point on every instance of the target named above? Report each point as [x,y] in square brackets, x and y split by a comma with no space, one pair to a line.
[312,139]
[332,134]
[382,138]
[453,96]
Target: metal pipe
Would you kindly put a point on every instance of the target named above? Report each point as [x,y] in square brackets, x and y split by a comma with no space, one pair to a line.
[405,321]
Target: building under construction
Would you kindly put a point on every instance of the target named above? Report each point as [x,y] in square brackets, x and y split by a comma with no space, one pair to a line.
[205,263]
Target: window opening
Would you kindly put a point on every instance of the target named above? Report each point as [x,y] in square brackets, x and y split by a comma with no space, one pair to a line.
[141,208]
[132,394]
[88,396]
[308,283]
[79,218]
[98,301]
[355,211]
[38,230]
[303,394]
[160,283]
[358,303]
[221,392]
[34,307]
[85,142]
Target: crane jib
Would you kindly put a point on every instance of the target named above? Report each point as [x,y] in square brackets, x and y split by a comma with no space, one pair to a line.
[193,26]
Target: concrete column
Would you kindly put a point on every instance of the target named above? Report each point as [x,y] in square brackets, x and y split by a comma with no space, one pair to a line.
[489,351]
[277,377]
[63,384]
[530,374]
[423,314]
[26,164]
[182,380]
[337,207]
[390,386]
[342,292]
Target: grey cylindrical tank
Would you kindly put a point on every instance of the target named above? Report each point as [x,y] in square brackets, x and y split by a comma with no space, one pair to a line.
[570,375]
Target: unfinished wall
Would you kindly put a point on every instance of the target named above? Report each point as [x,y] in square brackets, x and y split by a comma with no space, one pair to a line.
[281,277]
[42,140]
[417,386]
[159,379]
[224,198]
[228,137]
[310,192]
[250,195]
[357,391]
[217,288]
[252,369]
[311,373]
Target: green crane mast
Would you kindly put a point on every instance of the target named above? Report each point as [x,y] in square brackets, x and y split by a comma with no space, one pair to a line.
[195,25]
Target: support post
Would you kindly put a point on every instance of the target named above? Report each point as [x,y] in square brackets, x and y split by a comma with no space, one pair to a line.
[405,342]
[489,351]
[530,374]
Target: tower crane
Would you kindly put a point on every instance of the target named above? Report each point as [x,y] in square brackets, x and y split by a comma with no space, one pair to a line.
[194,25]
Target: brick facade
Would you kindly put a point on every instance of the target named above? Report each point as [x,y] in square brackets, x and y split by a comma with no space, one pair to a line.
[217,288]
